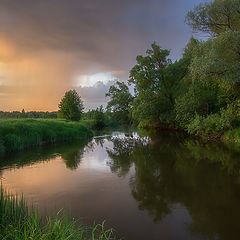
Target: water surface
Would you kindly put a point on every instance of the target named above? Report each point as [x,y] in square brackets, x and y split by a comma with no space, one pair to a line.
[147,187]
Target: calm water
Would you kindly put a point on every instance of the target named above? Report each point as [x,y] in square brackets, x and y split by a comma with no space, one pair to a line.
[157,187]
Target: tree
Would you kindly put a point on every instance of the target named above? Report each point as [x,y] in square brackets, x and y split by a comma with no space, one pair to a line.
[216,61]
[156,80]
[215,17]
[120,100]
[71,106]
[98,118]
[212,93]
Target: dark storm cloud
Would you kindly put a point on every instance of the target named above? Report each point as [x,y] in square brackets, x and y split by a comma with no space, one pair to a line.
[57,40]
[99,30]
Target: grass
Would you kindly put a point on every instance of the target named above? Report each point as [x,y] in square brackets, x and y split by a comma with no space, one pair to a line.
[19,134]
[19,222]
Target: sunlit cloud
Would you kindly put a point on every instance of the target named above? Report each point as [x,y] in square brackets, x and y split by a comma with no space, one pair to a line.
[91,80]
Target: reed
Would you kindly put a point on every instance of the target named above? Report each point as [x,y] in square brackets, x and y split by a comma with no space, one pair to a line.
[19,134]
[19,222]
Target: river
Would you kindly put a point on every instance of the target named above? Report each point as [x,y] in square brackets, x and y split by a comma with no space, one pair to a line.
[148,187]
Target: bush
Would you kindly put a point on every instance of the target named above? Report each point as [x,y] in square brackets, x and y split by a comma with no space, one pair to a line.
[227,118]
[212,124]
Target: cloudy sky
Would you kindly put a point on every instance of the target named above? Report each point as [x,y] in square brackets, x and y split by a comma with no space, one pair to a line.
[50,46]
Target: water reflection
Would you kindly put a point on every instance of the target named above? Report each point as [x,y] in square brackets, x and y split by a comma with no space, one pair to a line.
[71,154]
[139,182]
[203,177]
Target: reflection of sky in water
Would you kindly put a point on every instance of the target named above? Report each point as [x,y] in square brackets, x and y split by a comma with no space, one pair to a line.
[97,158]
[158,191]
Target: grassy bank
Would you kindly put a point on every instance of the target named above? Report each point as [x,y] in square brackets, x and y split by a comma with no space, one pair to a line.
[19,222]
[18,134]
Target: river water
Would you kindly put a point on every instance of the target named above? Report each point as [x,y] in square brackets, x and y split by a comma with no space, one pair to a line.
[147,187]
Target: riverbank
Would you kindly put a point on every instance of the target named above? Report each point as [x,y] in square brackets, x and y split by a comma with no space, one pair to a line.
[19,134]
[18,221]
[227,136]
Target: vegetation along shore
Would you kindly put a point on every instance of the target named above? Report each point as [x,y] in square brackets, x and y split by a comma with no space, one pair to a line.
[19,134]
[18,221]
[200,92]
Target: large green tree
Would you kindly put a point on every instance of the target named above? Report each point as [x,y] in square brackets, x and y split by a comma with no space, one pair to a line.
[156,81]
[71,106]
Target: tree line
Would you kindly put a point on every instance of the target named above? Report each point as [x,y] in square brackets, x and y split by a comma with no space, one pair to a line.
[199,92]
[31,114]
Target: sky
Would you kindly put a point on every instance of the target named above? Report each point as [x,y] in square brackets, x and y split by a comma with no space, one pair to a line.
[50,46]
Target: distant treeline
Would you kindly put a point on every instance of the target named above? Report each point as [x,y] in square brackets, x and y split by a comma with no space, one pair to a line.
[31,114]
[99,118]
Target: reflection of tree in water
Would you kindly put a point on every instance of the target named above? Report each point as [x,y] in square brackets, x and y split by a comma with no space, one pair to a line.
[71,154]
[176,170]
[120,154]
[72,158]
[99,141]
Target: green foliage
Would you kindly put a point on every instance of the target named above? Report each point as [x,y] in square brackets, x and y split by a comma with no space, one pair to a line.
[156,82]
[18,222]
[218,58]
[201,99]
[20,134]
[201,92]
[99,118]
[119,104]
[95,119]
[71,106]
[216,123]
[212,124]
[215,64]
[232,136]
[215,17]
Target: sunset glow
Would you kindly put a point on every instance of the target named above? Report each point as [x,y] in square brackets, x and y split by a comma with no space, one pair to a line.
[45,53]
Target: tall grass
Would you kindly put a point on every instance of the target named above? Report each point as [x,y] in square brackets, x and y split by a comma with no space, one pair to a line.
[19,222]
[18,134]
